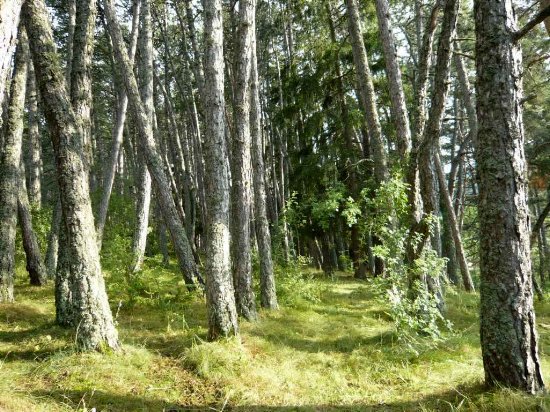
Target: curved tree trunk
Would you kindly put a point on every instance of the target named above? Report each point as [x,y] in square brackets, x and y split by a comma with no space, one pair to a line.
[509,341]
[10,11]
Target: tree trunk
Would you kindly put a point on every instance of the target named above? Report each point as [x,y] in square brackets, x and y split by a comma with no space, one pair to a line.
[455,231]
[268,293]
[34,157]
[393,72]
[241,165]
[143,178]
[154,161]
[366,88]
[9,22]
[509,341]
[91,311]
[35,266]
[222,312]
[118,131]
[10,160]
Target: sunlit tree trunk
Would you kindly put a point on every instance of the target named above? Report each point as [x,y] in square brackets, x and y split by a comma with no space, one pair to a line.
[143,178]
[91,313]
[10,159]
[118,132]
[222,312]
[509,340]
[34,156]
[154,161]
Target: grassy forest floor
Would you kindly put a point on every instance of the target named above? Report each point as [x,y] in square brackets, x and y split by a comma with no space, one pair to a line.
[331,347]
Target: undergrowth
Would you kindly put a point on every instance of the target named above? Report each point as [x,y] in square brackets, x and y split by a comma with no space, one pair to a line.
[332,346]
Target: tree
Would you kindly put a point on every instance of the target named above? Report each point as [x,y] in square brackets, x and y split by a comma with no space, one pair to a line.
[220,300]
[241,165]
[509,339]
[91,312]
[154,161]
[10,161]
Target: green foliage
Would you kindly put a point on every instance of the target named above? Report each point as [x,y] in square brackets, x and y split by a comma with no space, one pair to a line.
[413,308]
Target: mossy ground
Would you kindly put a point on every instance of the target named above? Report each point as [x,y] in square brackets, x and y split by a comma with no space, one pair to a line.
[338,352]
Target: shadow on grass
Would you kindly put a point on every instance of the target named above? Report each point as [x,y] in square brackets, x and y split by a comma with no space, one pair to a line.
[104,401]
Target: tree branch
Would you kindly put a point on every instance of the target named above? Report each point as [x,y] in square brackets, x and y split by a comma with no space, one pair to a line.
[539,18]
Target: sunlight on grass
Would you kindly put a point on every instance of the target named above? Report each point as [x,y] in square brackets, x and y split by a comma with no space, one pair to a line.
[333,348]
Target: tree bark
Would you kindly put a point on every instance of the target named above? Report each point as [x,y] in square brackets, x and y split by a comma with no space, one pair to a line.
[241,165]
[268,292]
[118,132]
[366,89]
[509,340]
[35,266]
[34,158]
[91,312]
[154,161]
[10,11]
[10,160]
[220,299]
[455,231]
[143,178]
[393,72]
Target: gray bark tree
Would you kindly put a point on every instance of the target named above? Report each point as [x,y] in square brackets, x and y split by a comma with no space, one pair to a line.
[241,165]
[220,298]
[154,161]
[118,131]
[393,72]
[91,314]
[34,145]
[10,159]
[268,293]
[509,340]
[9,22]
[143,178]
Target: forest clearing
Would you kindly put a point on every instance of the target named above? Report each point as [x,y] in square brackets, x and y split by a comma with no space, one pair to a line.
[307,205]
[332,348]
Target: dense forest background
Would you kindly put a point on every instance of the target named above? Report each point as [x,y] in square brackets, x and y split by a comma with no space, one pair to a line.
[264,204]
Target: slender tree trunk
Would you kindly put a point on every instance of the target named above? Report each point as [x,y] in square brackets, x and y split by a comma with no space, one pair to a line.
[509,341]
[35,266]
[455,231]
[118,131]
[222,312]
[241,170]
[268,293]
[154,161]
[430,137]
[91,312]
[10,159]
[143,178]
[393,72]
[34,158]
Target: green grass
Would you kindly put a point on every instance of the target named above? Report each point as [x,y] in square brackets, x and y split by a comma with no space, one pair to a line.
[335,350]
